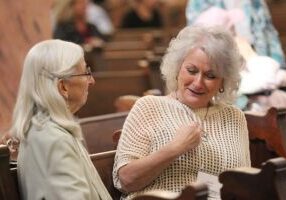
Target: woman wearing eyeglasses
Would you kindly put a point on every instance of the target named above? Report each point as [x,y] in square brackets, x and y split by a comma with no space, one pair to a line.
[52,162]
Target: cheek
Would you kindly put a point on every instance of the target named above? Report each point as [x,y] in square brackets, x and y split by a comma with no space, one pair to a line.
[184,78]
[214,87]
[82,90]
[79,91]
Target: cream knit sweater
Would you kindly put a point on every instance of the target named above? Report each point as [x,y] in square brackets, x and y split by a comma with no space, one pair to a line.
[153,122]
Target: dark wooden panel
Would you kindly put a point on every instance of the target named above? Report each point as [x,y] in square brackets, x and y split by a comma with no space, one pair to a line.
[251,183]
[98,131]
[267,136]
[110,85]
[103,162]
[8,179]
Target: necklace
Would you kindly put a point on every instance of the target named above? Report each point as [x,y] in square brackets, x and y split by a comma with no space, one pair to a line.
[205,134]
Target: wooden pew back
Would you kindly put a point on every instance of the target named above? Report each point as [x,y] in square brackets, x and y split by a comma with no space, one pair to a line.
[122,60]
[252,183]
[98,131]
[103,162]
[194,191]
[267,139]
[8,178]
[110,85]
[157,36]
[128,45]
[116,60]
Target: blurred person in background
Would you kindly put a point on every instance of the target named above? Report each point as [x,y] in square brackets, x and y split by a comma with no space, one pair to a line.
[71,24]
[143,14]
[256,27]
[98,16]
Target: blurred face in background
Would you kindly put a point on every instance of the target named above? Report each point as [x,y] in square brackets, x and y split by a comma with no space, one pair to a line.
[151,3]
[79,8]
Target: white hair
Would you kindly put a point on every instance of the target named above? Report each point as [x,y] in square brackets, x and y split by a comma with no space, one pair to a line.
[221,49]
[38,98]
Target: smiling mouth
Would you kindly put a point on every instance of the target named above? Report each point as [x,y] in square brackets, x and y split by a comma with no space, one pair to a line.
[196,92]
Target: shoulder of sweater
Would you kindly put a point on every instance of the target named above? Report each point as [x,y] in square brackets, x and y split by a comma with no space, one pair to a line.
[151,99]
[151,102]
[231,108]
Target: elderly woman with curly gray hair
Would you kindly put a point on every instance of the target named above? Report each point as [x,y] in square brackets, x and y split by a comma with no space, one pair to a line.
[168,142]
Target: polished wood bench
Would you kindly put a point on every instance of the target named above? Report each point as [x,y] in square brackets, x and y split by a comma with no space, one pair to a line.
[8,177]
[194,191]
[266,183]
[267,135]
[98,131]
[103,162]
[110,85]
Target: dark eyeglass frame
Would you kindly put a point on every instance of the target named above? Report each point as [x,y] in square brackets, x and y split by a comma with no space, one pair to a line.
[87,73]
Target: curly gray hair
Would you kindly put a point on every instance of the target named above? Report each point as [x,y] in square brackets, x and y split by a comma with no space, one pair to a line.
[221,49]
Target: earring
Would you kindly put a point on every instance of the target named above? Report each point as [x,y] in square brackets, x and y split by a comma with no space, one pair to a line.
[221,90]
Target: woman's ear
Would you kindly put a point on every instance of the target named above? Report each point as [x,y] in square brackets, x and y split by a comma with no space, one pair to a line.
[63,89]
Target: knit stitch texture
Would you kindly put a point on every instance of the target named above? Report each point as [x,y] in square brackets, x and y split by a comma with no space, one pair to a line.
[153,122]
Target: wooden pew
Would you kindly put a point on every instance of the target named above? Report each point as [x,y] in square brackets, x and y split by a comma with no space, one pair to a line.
[110,85]
[116,60]
[103,162]
[194,191]
[130,60]
[267,135]
[157,36]
[8,178]
[123,60]
[98,131]
[128,45]
[125,103]
[252,183]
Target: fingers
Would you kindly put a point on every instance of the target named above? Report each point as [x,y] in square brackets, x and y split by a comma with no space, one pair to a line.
[188,137]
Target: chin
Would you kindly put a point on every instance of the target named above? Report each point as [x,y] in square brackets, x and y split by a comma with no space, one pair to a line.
[77,108]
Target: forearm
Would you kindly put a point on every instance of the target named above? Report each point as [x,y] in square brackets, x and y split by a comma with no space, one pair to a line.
[140,173]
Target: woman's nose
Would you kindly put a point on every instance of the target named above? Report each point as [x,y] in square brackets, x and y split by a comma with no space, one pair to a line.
[198,81]
[91,81]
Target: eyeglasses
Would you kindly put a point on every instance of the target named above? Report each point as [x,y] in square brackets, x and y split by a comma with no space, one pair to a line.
[88,73]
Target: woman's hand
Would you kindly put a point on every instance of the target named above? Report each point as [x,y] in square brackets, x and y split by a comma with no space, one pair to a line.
[141,172]
[12,144]
[187,137]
